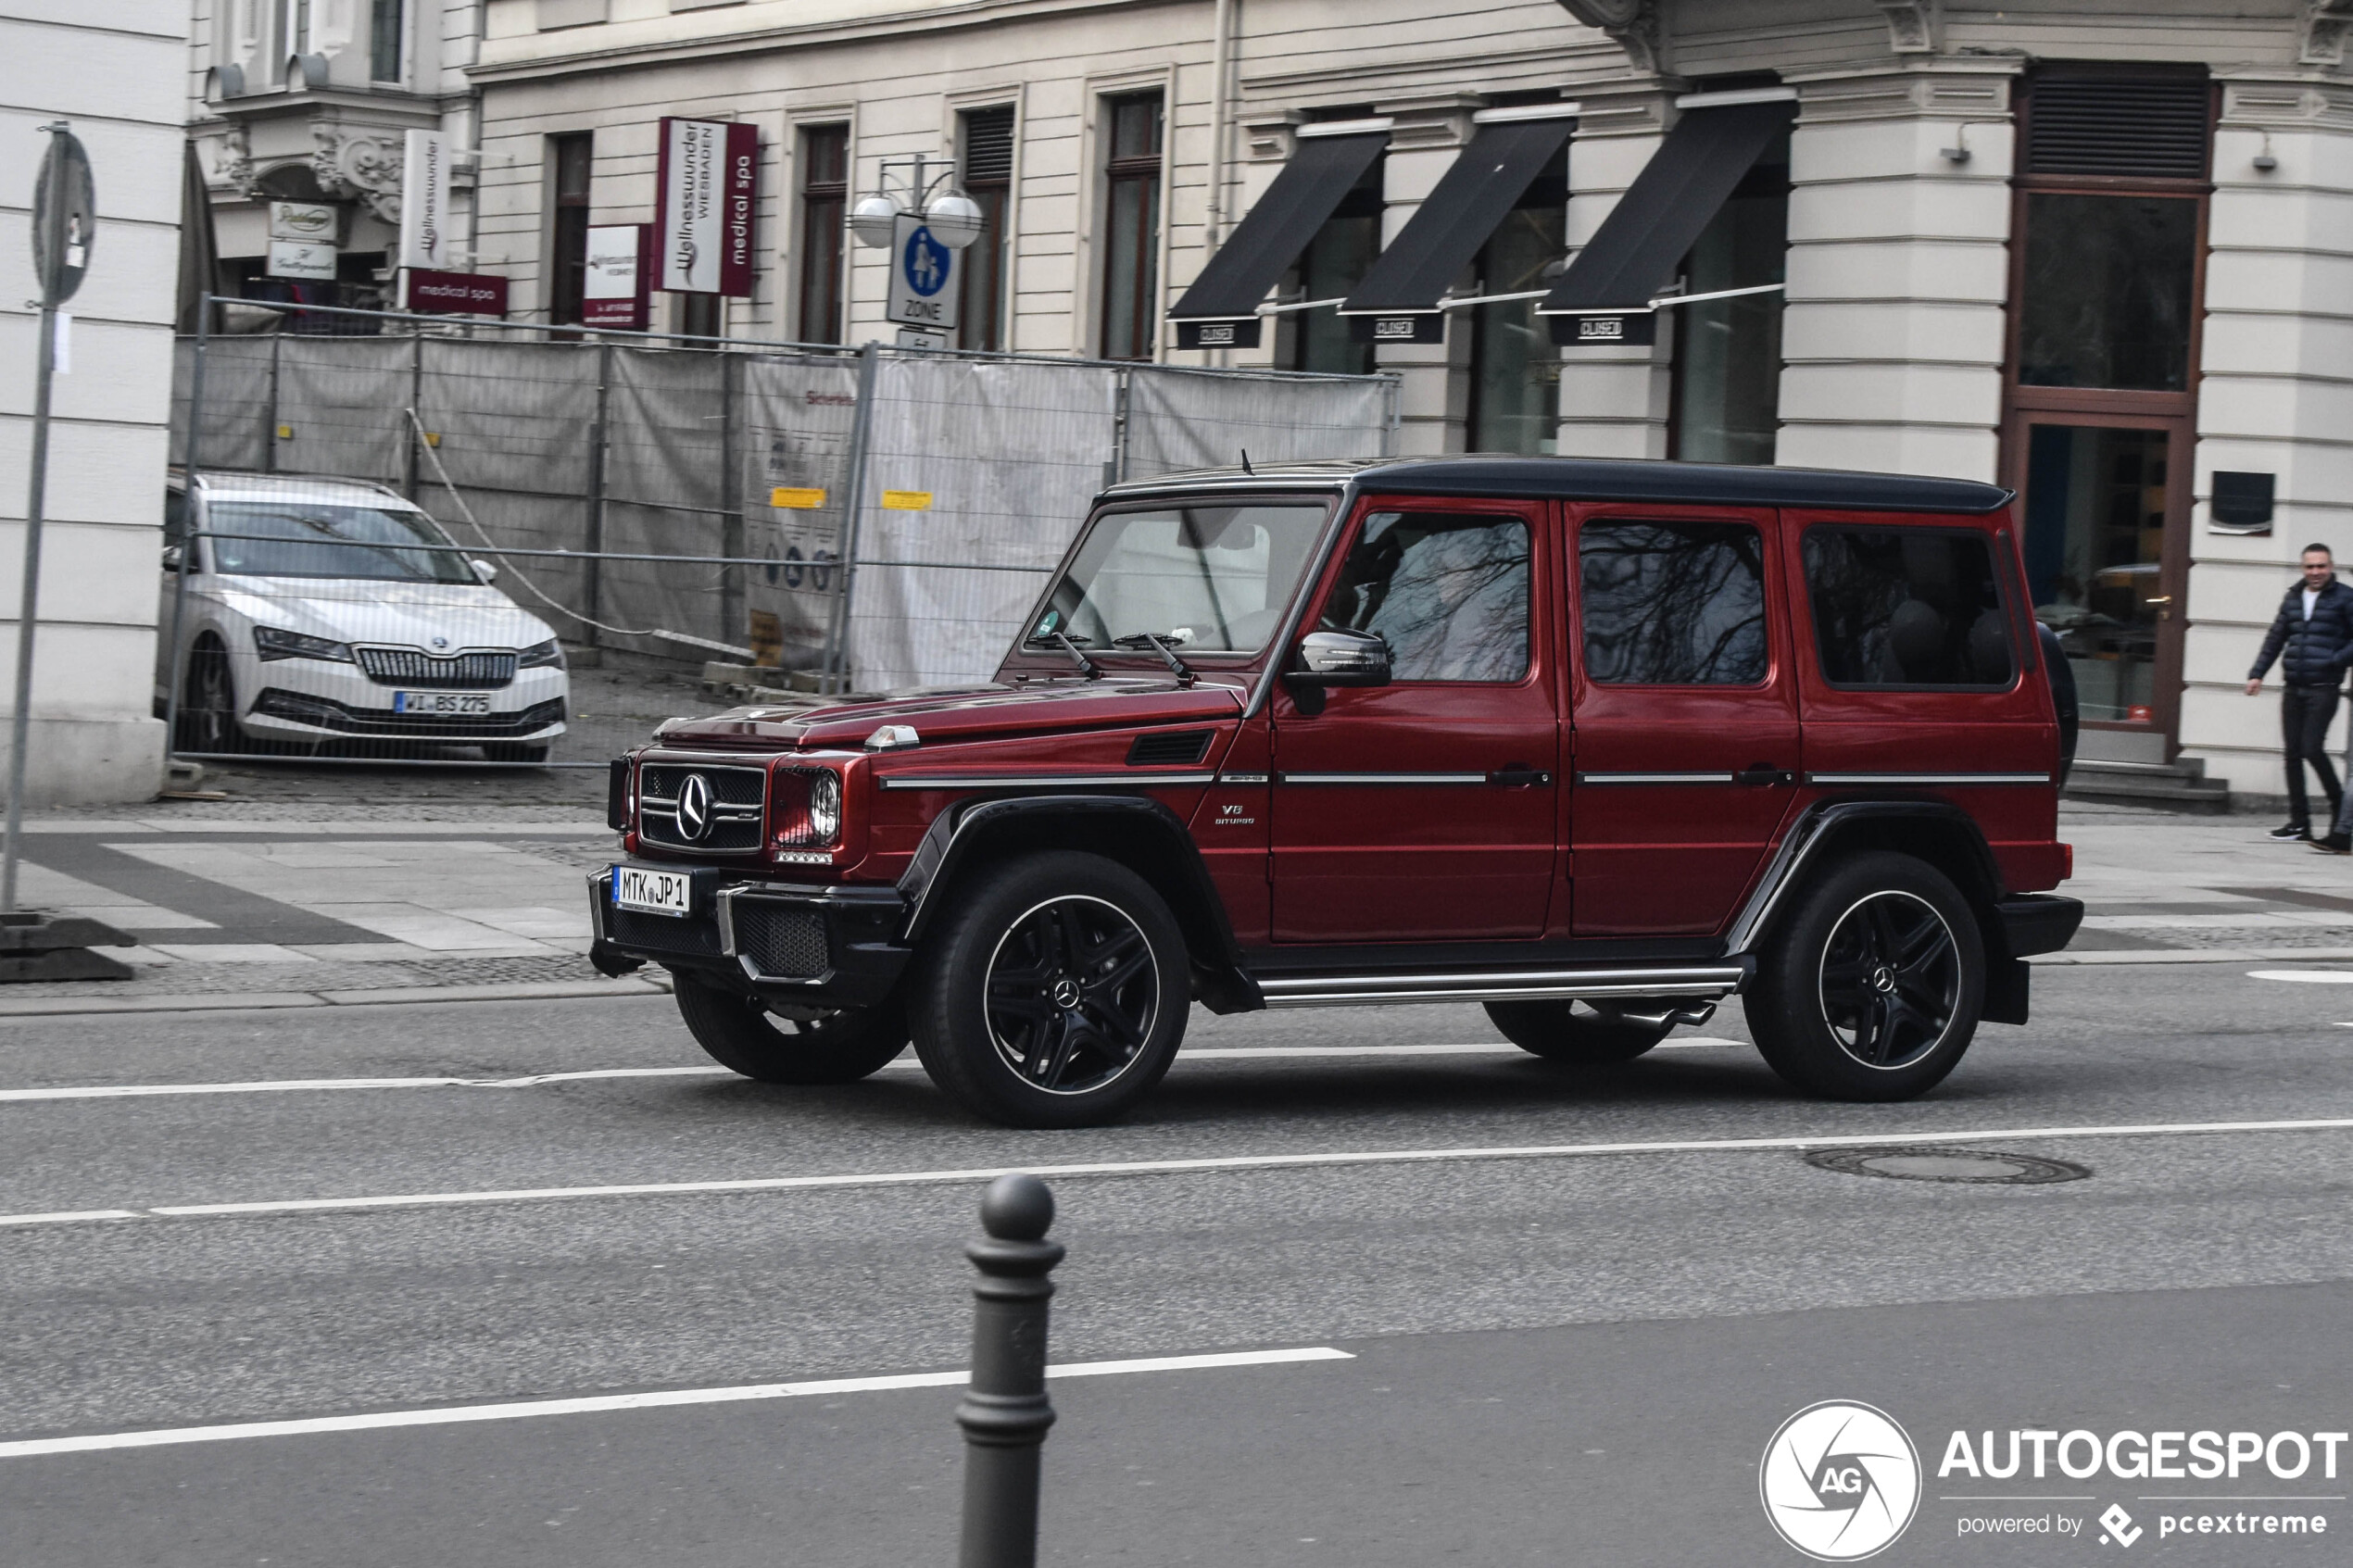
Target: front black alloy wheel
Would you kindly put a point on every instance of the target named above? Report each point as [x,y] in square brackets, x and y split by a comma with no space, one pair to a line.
[1872,989]
[1054,994]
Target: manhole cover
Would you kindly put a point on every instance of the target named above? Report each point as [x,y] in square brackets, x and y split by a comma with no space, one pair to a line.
[1977,1166]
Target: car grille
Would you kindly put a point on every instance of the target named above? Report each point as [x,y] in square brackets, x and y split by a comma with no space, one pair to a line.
[328,714]
[407,666]
[787,944]
[737,798]
[661,933]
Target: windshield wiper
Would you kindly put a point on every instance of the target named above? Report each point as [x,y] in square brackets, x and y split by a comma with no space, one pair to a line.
[1166,648]
[1092,670]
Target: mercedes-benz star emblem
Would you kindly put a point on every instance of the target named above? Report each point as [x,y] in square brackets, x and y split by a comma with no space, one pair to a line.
[694,808]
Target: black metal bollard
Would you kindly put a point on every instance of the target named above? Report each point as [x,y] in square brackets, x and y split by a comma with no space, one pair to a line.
[1005,1412]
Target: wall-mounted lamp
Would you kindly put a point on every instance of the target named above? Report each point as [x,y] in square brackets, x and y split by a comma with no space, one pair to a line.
[1959,151]
[2264,161]
[953,217]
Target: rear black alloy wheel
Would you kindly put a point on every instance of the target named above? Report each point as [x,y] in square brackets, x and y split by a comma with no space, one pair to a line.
[208,717]
[1055,995]
[1593,1038]
[837,1048]
[1870,991]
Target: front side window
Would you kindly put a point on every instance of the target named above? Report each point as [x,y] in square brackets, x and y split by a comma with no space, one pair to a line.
[1448,593]
[292,538]
[1672,603]
[1907,607]
[1210,579]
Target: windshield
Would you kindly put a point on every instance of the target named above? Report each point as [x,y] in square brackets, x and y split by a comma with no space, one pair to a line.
[294,538]
[1209,579]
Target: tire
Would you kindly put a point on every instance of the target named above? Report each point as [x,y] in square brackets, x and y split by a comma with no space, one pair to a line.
[1054,994]
[838,1049]
[1872,989]
[1587,1039]
[208,717]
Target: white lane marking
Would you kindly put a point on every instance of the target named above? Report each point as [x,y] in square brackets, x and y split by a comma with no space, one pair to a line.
[68,1216]
[1221,1163]
[2310,976]
[277,1086]
[524,1409]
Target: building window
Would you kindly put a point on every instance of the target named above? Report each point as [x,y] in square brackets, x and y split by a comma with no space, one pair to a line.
[1333,264]
[1131,225]
[986,148]
[824,199]
[702,315]
[1727,352]
[384,41]
[573,158]
[1516,371]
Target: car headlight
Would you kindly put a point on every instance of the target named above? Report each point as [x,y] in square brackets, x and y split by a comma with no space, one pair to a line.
[804,812]
[539,656]
[271,643]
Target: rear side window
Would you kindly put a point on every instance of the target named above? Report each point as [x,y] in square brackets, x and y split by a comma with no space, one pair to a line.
[1672,603]
[1907,606]
[1448,595]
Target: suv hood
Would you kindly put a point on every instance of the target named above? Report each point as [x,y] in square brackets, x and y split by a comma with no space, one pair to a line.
[942,714]
[465,615]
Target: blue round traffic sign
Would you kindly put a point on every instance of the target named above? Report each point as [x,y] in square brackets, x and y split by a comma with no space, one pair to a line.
[925,262]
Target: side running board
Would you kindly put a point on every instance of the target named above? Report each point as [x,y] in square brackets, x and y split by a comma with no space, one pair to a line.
[1708,982]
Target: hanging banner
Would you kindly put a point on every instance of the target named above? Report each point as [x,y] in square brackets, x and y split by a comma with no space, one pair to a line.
[708,177]
[424,201]
[613,290]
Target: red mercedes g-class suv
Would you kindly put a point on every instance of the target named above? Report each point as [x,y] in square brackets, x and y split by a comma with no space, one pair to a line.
[1594,744]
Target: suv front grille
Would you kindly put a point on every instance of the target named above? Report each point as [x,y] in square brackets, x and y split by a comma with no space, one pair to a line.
[663,933]
[739,796]
[407,666]
[785,944]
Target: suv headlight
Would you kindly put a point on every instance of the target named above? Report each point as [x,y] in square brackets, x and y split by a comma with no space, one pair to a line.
[541,654]
[271,643]
[804,812]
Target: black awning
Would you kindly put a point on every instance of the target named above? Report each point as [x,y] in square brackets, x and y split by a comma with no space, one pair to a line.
[1647,234]
[1263,244]
[1472,199]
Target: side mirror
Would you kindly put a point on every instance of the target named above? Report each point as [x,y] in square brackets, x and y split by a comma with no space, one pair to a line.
[1340,659]
[172,557]
[483,571]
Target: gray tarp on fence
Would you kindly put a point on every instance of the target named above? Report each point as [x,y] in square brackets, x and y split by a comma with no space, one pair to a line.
[632,448]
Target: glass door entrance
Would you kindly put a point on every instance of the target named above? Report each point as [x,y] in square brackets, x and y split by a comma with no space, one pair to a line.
[2097,500]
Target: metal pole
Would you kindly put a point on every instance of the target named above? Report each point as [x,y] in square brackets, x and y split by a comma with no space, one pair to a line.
[409,472]
[269,421]
[592,577]
[189,457]
[731,501]
[836,666]
[21,723]
[1005,1412]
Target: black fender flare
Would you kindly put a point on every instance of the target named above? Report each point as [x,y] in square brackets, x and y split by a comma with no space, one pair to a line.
[969,831]
[1821,830]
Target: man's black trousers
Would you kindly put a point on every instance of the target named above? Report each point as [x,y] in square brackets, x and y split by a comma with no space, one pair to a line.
[2305,712]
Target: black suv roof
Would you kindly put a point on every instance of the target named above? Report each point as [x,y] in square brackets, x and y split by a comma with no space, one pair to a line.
[1601,478]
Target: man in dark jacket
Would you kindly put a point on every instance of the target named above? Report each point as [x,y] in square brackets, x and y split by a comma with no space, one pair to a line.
[2310,637]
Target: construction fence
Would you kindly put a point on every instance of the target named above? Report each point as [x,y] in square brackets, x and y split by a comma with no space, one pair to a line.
[693,499]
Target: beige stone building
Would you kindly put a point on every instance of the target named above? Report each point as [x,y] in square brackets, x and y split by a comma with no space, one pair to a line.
[2099,251]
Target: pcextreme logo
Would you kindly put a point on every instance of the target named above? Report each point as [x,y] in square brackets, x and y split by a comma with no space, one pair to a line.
[1839,1481]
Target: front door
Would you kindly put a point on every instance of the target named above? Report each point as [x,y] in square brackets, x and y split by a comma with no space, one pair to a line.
[1684,710]
[2105,516]
[1424,810]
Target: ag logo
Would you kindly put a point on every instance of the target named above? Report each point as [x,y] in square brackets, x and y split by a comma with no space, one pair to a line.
[1839,1481]
[694,808]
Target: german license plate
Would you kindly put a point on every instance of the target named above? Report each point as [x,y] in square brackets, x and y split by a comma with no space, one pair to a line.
[652,893]
[452,704]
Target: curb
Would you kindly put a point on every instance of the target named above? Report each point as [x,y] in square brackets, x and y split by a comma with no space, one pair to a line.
[231,1001]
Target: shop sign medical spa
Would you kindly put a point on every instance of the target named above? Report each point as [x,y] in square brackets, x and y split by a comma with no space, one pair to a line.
[708,178]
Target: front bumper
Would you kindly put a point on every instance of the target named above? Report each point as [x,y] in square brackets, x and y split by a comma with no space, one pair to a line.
[819,946]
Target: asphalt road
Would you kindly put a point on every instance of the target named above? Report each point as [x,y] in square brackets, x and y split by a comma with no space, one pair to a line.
[1571,1355]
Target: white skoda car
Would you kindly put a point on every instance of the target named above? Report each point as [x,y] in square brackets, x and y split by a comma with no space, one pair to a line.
[332,614]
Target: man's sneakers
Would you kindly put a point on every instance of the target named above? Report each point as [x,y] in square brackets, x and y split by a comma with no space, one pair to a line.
[2290,832]
[2333,844]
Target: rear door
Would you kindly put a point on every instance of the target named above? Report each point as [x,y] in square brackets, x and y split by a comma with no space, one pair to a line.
[1424,810]
[1684,707]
